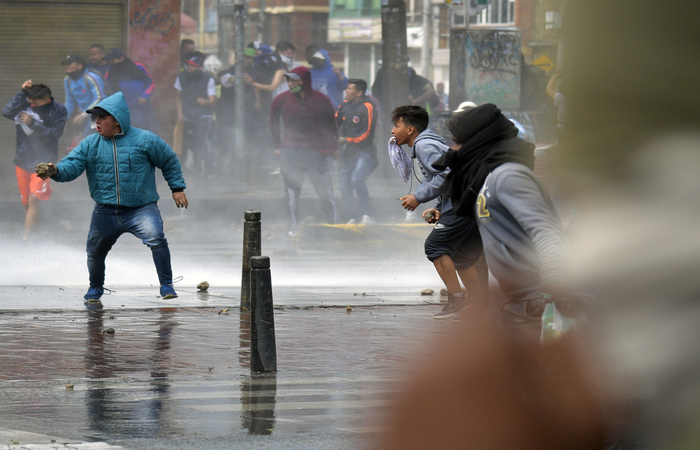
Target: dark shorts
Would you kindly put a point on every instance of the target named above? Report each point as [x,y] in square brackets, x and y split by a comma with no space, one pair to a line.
[457,237]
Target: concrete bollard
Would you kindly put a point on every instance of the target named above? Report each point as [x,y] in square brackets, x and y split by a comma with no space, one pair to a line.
[252,246]
[263,350]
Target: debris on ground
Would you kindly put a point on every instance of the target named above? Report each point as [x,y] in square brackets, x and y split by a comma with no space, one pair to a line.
[109,331]
[203,286]
[427,292]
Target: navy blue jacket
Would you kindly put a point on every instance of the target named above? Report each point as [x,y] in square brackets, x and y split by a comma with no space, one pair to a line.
[42,145]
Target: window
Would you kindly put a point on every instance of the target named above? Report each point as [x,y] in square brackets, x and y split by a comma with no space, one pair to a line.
[499,12]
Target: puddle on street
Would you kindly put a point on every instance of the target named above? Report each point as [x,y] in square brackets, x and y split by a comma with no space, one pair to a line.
[173,372]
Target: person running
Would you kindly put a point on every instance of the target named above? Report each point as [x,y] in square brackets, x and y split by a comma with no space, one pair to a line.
[40,123]
[454,245]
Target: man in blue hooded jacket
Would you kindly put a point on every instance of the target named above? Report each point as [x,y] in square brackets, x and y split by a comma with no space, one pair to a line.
[120,164]
[327,79]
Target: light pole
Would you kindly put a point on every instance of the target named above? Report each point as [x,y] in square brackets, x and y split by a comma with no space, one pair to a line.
[240,11]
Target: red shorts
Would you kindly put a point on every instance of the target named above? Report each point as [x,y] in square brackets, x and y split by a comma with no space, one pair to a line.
[30,183]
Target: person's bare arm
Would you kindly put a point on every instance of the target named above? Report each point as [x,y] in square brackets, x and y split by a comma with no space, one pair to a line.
[427,92]
[276,81]
[552,84]
[178,102]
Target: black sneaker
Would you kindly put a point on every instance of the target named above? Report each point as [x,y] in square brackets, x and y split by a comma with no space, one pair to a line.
[454,306]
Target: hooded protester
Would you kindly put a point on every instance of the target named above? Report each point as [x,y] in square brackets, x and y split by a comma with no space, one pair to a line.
[120,163]
[525,244]
[327,79]
[304,136]
[487,139]
[134,80]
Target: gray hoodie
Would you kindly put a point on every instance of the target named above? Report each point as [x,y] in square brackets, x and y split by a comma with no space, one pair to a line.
[427,149]
[524,241]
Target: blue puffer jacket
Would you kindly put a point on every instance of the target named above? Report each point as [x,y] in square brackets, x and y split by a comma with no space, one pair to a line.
[121,170]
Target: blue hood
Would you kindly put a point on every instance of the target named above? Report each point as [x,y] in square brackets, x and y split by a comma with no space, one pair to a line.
[326,62]
[116,106]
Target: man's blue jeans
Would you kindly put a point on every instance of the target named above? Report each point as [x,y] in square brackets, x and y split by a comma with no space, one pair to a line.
[110,222]
[355,167]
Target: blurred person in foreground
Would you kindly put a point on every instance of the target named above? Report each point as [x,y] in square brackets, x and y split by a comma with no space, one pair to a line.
[631,154]
[303,138]
[120,162]
[633,171]
[499,387]
[357,122]
[40,121]
[454,245]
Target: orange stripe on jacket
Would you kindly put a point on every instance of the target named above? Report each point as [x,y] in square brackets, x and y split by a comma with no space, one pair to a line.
[370,111]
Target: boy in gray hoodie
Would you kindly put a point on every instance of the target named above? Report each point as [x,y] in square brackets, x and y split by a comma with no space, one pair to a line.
[454,245]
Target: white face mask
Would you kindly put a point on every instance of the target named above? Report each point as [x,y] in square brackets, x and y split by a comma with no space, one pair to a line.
[286,59]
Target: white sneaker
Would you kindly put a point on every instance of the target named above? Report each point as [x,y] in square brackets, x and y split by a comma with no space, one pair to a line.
[366,220]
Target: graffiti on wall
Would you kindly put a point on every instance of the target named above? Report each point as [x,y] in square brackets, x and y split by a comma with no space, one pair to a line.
[153,19]
[493,67]
[153,30]
[154,40]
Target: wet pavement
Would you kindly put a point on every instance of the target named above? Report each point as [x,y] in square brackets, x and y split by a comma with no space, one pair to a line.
[176,373]
[178,377]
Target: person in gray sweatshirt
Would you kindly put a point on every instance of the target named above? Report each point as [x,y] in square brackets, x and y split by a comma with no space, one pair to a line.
[454,245]
[491,179]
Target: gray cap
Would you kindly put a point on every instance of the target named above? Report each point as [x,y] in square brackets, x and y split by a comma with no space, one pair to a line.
[292,76]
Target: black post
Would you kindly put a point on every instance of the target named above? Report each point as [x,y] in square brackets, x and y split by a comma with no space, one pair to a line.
[394,66]
[251,247]
[263,350]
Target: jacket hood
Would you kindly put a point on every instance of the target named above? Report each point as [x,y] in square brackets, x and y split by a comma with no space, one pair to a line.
[305,75]
[427,134]
[326,62]
[116,106]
